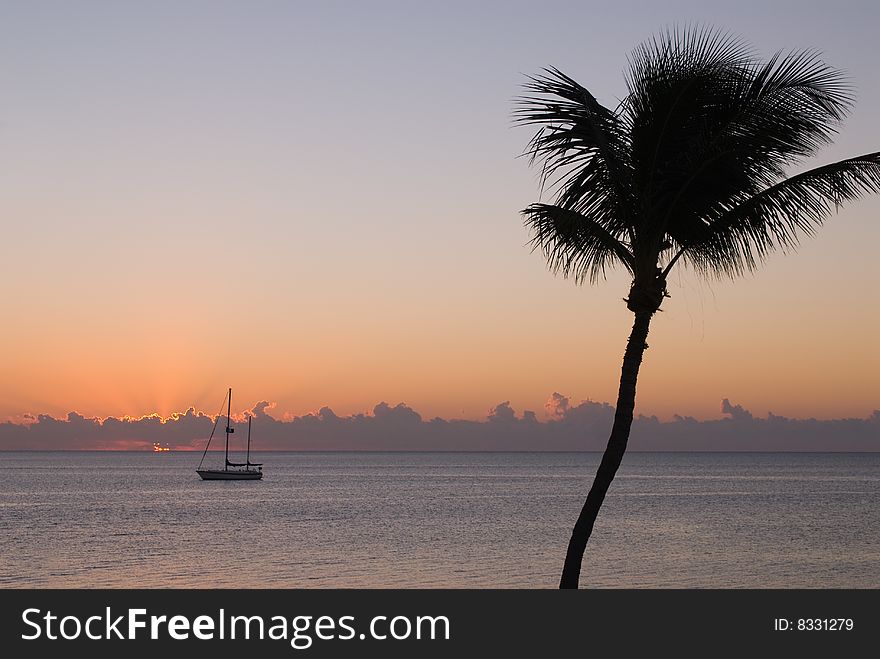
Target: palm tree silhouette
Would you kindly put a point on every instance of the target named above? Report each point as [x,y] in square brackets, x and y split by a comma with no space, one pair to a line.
[688,169]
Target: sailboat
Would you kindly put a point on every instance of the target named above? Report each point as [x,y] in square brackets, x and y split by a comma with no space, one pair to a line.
[236,473]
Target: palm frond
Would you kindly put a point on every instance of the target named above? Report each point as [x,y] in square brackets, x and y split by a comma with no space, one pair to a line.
[581,144]
[575,245]
[740,239]
[703,110]
[674,82]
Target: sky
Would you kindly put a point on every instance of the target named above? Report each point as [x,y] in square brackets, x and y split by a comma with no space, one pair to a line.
[317,204]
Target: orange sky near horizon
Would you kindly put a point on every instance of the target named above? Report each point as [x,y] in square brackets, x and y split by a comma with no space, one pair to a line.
[184,219]
[802,353]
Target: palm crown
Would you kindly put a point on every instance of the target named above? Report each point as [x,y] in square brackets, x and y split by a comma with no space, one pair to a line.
[690,165]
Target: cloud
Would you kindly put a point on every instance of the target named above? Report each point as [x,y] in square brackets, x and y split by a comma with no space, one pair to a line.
[502,413]
[735,411]
[557,405]
[259,410]
[569,427]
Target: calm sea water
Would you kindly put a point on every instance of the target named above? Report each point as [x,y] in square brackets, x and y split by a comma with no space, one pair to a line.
[439,520]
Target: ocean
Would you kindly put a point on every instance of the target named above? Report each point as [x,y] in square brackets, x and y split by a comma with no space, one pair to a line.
[439,520]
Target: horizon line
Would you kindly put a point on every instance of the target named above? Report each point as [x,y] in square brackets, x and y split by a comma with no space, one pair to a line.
[187,451]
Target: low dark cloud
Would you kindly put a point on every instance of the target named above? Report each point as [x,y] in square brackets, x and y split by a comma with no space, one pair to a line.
[568,427]
[735,411]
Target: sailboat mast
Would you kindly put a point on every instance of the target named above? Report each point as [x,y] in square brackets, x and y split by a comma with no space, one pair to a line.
[228,430]
[248,460]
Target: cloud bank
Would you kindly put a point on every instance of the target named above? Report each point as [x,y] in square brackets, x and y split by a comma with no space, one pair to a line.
[568,427]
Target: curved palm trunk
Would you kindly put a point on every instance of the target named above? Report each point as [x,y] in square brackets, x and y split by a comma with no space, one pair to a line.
[611,459]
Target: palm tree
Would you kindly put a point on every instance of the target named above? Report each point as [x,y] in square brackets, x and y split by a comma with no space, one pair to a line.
[689,169]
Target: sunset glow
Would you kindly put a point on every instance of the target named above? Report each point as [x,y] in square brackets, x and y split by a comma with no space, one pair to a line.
[157,251]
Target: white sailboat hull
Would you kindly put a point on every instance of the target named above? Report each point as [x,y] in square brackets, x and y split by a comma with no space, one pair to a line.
[229,475]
